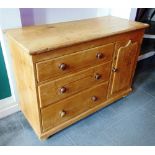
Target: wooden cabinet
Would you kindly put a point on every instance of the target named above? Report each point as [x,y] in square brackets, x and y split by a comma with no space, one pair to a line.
[66,71]
[123,66]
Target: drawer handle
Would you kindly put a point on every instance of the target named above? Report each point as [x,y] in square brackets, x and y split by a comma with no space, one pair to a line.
[114,69]
[63,66]
[62,113]
[63,90]
[99,55]
[97,76]
[94,98]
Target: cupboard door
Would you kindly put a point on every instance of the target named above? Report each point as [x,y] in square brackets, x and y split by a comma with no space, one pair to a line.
[124,66]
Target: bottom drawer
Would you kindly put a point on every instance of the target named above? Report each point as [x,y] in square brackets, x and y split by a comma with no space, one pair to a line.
[68,108]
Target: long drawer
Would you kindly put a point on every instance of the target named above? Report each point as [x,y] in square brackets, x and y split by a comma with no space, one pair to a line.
[66,109]
[55,68]
[64,87]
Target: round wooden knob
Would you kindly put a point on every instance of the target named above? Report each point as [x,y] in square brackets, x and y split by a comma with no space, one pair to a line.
[94,98]
[62,113]
[97,76]
[63,90]
[114,69]
[99,55]
[63,66]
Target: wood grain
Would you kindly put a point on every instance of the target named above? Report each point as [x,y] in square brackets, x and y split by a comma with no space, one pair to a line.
[133,35]
[124,65]
[43,38]
[50,69]
[50,92]
[25,80]
[73,106]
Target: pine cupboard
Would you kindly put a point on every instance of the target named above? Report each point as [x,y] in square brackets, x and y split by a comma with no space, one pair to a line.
[66,71]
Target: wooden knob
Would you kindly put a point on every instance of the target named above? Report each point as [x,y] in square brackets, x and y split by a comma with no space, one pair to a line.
[63,66]
[99,55]
[114,69]
[62,113]
[94,98]
[97,76]
[63,90]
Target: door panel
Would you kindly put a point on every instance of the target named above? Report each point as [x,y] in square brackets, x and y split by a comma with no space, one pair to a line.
[124,66]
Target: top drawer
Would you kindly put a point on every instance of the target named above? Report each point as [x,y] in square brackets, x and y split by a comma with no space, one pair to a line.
[54,68]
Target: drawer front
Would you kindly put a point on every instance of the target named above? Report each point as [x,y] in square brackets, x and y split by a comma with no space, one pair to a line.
[60,66]
[66,109]
[55,90]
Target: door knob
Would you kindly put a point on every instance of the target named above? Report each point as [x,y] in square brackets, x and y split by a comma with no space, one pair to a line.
[94,98]
[63,90]
[63,66]
[62,113]
[114,69]
[97,76]
[99,55]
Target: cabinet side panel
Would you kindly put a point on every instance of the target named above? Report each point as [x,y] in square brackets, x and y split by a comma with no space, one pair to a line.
[26,84]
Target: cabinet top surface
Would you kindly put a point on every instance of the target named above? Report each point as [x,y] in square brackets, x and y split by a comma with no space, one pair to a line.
[42,38]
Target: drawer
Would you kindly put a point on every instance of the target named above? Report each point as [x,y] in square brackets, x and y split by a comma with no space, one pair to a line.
[55,90]
[55,68]
[66,109]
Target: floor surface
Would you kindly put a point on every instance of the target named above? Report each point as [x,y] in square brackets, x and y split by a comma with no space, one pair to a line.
[129,121]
